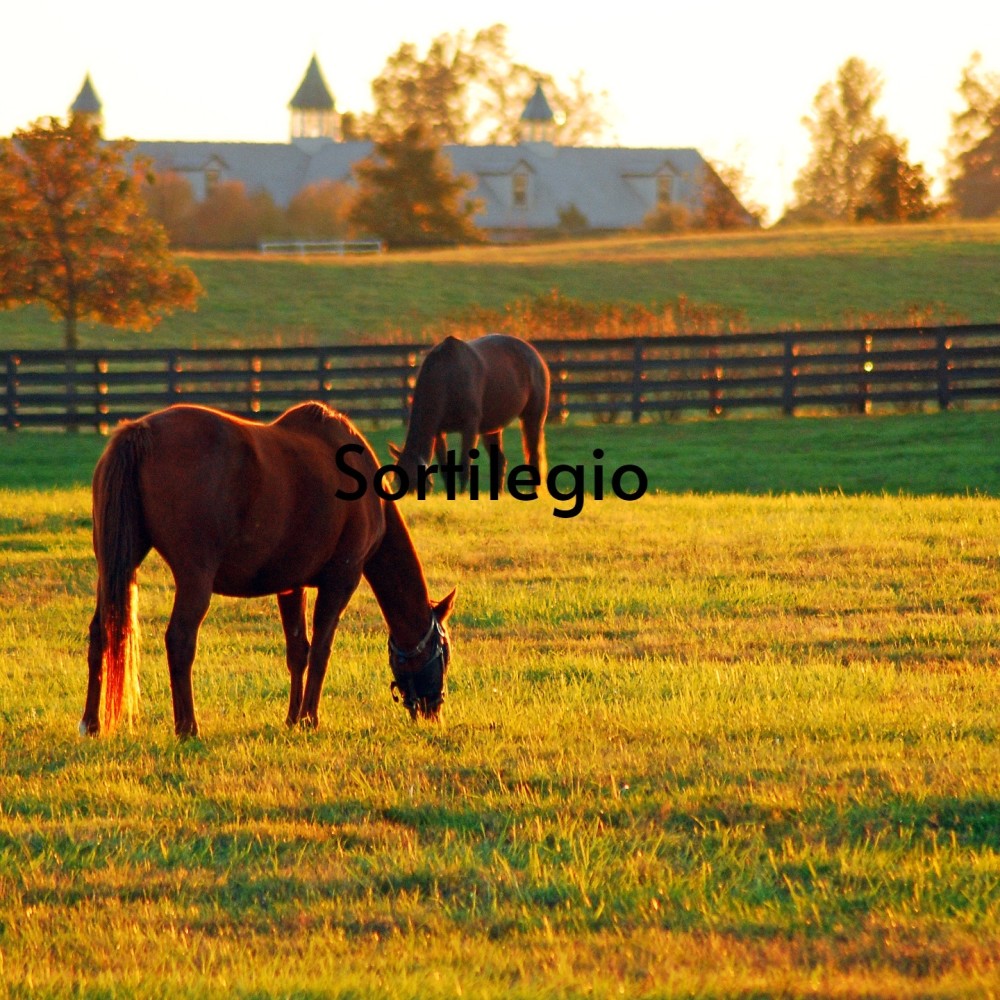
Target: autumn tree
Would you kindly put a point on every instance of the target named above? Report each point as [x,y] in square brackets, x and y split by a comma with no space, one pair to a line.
[230,218]
[321,211]
[408,196]
[897,191]
[171,202]
[75,233]
[467,89]
[847,136]
[973,155]
[725,199]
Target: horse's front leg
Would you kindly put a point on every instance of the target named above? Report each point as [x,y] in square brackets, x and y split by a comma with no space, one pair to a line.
[191,602]
[441,449]
[470,438]
[90,724]
[494,445]
[292,608]
[331,599]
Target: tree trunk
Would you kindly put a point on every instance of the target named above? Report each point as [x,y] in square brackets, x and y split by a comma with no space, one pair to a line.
[72,345]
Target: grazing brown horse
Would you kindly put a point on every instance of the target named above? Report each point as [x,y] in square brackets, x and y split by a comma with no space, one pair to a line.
[476,387]
[246,509]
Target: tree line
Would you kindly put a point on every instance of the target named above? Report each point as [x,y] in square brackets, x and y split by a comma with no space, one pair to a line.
[465,88]
[860,171]
[85,227]
[468,88]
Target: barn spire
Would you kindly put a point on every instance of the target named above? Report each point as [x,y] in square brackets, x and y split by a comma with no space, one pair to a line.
[313,113]
[87,104]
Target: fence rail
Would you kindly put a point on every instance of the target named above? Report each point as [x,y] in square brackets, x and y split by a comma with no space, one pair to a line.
[605,378]
[340,247]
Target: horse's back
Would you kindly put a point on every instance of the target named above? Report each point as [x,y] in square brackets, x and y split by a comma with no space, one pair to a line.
[255,504]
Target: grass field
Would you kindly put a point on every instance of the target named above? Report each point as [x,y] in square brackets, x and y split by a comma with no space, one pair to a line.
[738,738]
[811,278]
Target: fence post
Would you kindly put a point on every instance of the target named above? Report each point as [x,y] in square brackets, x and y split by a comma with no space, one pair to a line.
[11,417]
[101,407]
[173,382]
[638,374]
[788,373]
[409,382]
[69,381]
[866,366]
[943,368]
[714,376]
[254,367]
[321,389]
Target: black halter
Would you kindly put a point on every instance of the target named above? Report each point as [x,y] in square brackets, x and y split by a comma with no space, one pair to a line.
[405,689]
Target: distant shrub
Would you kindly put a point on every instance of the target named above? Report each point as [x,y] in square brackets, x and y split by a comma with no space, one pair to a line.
[670,217]
[553,315]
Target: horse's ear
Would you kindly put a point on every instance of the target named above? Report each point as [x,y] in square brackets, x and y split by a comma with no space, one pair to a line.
[395,451]
[444,607]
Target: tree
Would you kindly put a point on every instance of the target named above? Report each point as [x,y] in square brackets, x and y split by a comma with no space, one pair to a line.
[897,191]
[847,136]
[976,192]
[171,202]
[468,89]
[231,219]
[973,155]
[725,203]
[408,196]
[321,211]
[75,233]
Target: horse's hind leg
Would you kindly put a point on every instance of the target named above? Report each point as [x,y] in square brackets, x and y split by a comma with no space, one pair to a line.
[533,437]
[90,724]
[292,607]
[331,599]
[190,607]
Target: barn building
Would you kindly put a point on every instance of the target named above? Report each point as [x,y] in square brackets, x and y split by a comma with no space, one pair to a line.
[528,188]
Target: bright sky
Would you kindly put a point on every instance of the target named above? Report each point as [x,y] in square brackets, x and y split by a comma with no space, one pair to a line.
[731,78]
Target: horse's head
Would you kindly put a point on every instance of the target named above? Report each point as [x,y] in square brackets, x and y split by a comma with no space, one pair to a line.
[419,673]
[407,460]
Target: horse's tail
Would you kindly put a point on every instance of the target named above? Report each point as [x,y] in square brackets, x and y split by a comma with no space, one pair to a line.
[119,546]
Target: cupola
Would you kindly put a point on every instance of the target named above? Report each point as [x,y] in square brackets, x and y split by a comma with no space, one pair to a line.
[538,123]
[312,107]
[87,104]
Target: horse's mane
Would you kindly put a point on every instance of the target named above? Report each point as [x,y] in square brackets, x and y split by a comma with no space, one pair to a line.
[314,415]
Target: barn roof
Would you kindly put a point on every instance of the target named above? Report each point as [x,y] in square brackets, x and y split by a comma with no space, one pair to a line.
[613,187]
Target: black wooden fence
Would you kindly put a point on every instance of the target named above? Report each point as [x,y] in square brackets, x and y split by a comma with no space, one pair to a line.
[601,378]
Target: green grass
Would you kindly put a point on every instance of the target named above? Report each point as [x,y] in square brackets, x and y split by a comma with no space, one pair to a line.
[777,279]
[917,454]
[716,744]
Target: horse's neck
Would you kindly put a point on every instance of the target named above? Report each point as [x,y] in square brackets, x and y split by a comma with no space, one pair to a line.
[425,423]
[397,580]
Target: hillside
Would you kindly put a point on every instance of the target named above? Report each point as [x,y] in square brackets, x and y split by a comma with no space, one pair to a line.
[775,279]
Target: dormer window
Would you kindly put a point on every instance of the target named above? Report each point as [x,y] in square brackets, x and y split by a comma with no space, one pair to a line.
[664,188]
[519,189]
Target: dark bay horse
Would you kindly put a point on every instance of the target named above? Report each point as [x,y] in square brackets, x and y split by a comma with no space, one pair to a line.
[245,510]
[477,387]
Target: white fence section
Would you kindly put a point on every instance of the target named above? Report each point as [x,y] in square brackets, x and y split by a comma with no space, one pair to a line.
[340,247]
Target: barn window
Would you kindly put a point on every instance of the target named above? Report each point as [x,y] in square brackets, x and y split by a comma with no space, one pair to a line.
[664,189]
[520,189]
